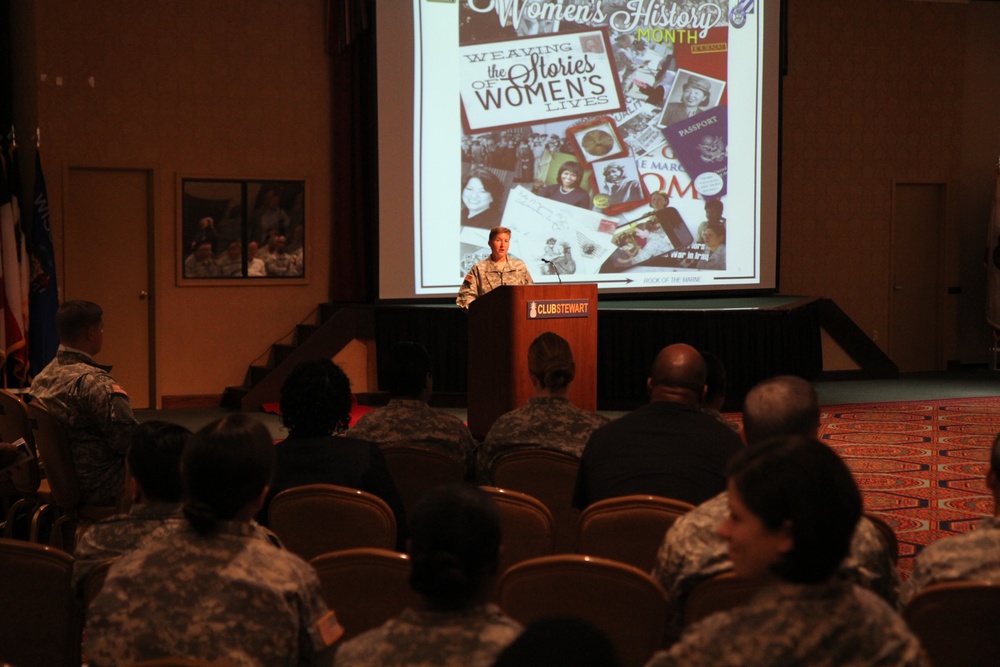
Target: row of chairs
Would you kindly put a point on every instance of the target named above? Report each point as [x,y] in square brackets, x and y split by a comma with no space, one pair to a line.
[40,623]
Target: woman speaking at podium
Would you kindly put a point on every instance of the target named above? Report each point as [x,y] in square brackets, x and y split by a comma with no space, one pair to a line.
[496,270]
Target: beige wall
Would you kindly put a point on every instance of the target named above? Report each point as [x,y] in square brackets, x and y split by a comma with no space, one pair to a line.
[220,88]
[879,90]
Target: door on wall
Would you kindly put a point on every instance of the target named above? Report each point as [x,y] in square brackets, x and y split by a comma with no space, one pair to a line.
[915,303]
[108,224]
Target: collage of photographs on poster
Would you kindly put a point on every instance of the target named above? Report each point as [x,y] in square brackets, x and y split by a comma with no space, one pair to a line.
[600,139]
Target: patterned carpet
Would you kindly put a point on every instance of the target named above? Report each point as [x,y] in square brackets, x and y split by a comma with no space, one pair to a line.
[921,465]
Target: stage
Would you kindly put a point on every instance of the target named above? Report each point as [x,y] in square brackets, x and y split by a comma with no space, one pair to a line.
[756,337]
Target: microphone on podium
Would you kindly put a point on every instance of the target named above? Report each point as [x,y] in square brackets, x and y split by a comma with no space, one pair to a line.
[554,268]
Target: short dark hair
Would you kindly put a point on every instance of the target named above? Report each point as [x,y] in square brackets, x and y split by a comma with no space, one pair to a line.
[491,183]
[550,360]
[571,166]
[73,318]
[316,399]
[407,369]
[224,467]
[800,482]
[454,544]
[154,459]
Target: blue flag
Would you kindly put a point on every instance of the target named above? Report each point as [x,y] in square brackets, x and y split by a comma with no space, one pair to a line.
[43,295]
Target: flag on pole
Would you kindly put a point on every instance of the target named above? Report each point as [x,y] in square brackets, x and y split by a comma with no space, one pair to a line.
[14,345]
[993,260]
[43,296]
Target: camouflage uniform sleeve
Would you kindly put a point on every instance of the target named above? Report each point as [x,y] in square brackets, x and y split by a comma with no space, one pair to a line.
[870,564]
[469,290]
[320,626]
[107,400]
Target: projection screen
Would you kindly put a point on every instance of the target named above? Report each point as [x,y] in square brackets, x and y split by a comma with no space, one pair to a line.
[627,143]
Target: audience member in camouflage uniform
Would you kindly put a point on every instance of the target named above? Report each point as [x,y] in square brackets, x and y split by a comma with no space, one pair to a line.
[495,271]
[549,420]
[973,556]
[213,590]
[407,417]
[87,401]
[693,550]
[793,509]
[454,551]
[152,484]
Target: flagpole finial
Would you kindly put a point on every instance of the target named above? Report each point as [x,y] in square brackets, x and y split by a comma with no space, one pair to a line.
[38,137]
[13,137]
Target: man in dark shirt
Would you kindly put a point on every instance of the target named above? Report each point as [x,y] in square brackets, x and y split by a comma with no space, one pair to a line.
[668,447]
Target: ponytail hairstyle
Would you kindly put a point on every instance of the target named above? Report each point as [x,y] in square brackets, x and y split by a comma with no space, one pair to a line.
[225,466]
[550,361]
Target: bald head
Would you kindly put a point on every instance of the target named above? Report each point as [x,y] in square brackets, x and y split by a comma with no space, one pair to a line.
[677,370]
[781,406]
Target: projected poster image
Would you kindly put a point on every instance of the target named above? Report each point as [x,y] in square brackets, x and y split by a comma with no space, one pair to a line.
[598,132]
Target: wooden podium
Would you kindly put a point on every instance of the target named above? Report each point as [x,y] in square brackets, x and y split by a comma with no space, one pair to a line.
[502,325]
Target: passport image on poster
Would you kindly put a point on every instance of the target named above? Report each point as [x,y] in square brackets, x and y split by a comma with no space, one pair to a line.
[701,144]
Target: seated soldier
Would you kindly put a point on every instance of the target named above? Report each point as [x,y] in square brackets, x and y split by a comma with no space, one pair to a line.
[454,551]
[152,485]
[693,550]
[212,590]
[408,417]
[972,556]
[549,420]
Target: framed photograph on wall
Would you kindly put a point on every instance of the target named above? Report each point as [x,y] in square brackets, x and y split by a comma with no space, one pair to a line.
[240,230]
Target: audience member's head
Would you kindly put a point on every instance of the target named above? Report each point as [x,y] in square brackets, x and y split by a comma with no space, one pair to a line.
[715,381]
[782,405]
[454,546]
[409,371]
[226,468]
[315,399]
[154,460]
[678,375]
[793,509]
[550,362]
[80,325]
[560,642]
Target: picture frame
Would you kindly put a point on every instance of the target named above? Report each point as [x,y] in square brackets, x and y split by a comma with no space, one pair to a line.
[241,231]
[597,139]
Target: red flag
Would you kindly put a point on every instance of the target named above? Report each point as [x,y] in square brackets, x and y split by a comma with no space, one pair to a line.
[13,299]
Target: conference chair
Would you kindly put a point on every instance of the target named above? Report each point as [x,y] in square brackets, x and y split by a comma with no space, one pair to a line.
[315,519]
[57,460]
[719,593]
[629,529]
[366,587]
[888,534]
[25,482]
[549,476]
[40,622]
[527,526]
[956,623]
[416,468]
[622,601]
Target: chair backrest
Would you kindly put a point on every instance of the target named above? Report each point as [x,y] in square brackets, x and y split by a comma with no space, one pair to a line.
[40,622]
[549,476]
[720,593]
[527,526]
[315,519]
[622,601]
[57,458]
[888,534]
[956,623]
[94,581]
[417,468]
[14,424]
[367,587]
[629,529]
